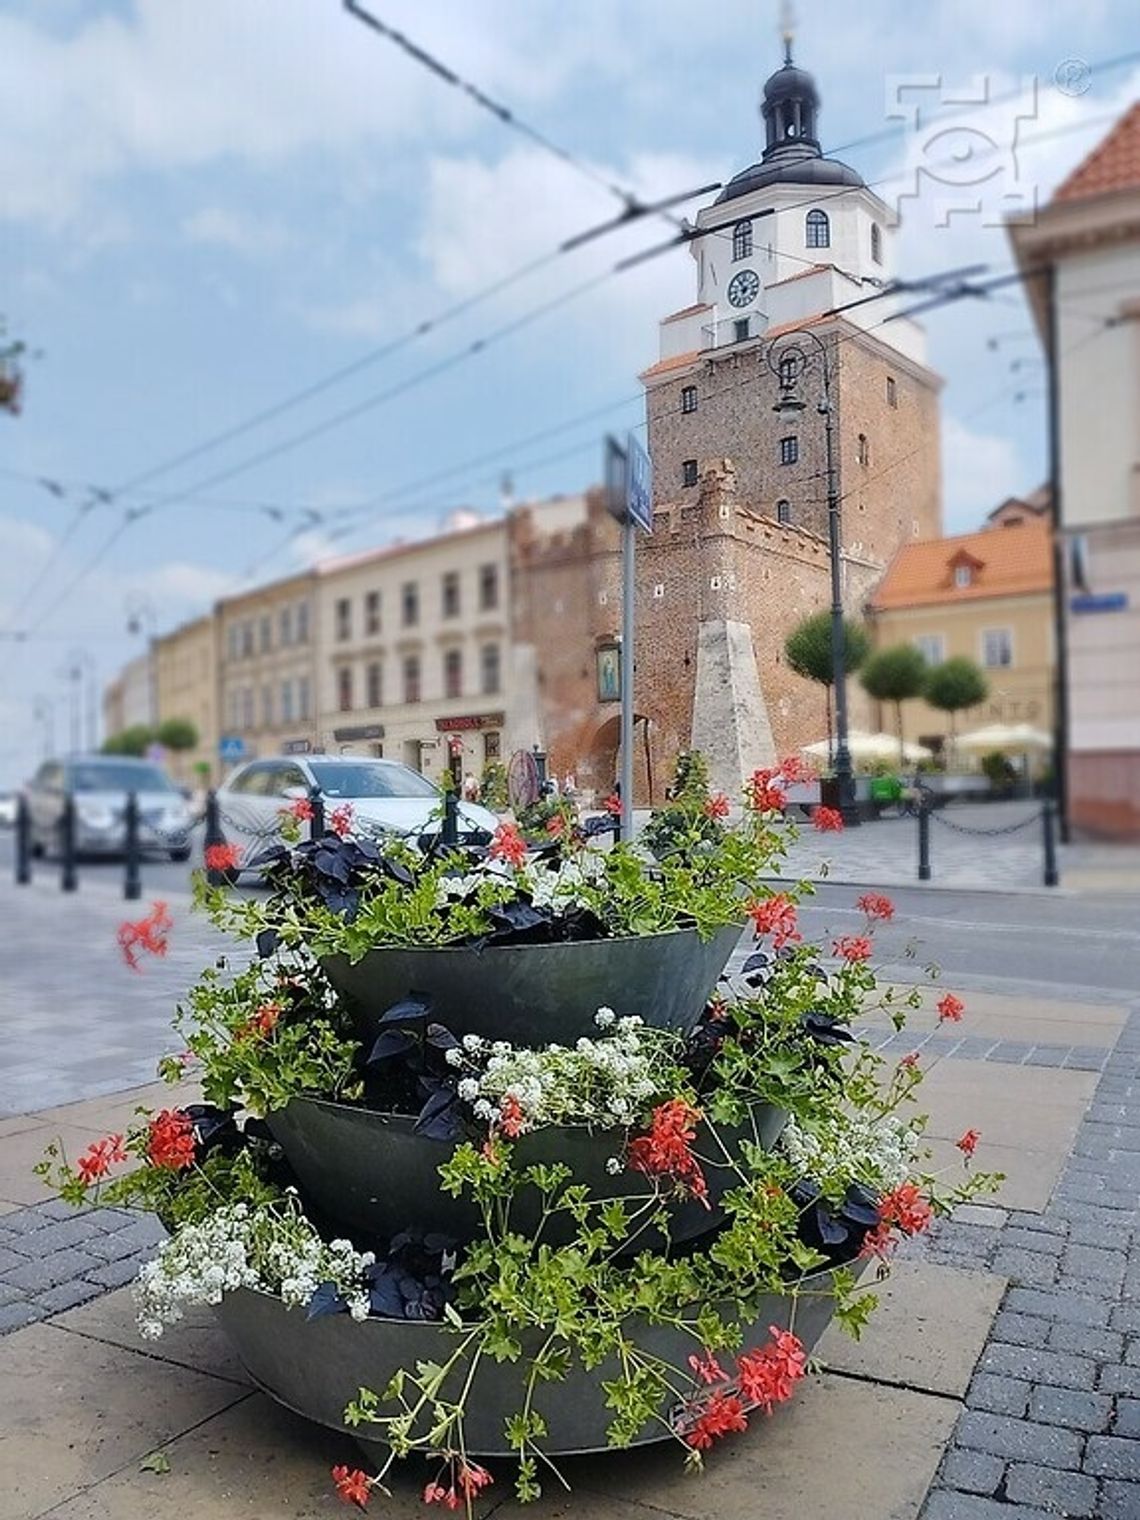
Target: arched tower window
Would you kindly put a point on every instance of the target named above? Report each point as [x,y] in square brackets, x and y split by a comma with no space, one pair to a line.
[783,511]
[876,243]
[818,229]
[742,240]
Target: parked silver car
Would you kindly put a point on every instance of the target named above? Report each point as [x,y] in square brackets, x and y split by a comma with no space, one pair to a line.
[100,785]
[386,798]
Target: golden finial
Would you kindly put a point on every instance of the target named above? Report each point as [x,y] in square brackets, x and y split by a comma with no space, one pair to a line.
[787,27]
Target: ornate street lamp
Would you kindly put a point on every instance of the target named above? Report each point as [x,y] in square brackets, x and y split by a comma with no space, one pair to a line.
[791,362]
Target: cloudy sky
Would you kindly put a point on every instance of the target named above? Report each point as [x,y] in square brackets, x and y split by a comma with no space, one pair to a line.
[207,206]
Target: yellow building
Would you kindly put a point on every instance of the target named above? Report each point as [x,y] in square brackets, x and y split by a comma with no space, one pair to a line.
[987,596]
[267,664]
[186,681]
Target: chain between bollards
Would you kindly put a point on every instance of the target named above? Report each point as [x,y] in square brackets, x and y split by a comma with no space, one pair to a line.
[924,839]
[1048,820]
[23,842]
[67,878]
[317,817]
[132,882]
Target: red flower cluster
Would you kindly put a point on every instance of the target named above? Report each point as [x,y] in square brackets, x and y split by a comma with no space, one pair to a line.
[97,1160]
[968,1144]
[147,934]
[666,1150]
[264,1021]
[706,1368]
[720,1414]
[171,1140]
[353,1485]
[612,805]
[775,915]
[827,820]
[556,826]
[852,948]
[341,819]
[910,1062]
[950,1009]
[875,905]
[467,1480]
[716,807]
[511,1118]
[906,1208]
[221,857]
[301,810]
[879,1242]
[508,844]
[793,769]
[768,1375]
[763,793]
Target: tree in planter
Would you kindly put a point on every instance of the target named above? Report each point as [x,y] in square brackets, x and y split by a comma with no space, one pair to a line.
[178,734]
[493,786]
[808,651]
[895,675]
[130,741]
[954,685]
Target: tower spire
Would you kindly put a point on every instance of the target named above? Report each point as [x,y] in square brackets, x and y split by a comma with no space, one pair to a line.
[787,28]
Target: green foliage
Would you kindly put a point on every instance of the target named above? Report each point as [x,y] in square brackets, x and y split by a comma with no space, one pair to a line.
[895,675]
[999,770]
[683,821]
[956,684]
[130,741]
[808,647]
[178,734]
[493,786]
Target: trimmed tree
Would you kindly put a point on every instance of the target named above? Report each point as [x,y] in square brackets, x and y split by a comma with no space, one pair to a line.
[954,685]
[808,651]
[895,675]
[129,741]
[178,734]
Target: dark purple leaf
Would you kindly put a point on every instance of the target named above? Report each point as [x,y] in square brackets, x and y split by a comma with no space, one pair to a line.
[326,1300]
[389,1044]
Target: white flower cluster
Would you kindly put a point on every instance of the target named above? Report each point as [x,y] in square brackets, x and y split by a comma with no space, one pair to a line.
[560,889]
[236,1247]
[605,1081]
[876,1150]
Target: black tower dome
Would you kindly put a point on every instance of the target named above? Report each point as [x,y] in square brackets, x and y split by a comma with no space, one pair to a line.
[792,155]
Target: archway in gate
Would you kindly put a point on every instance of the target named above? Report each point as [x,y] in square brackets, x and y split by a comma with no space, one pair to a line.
[603,761]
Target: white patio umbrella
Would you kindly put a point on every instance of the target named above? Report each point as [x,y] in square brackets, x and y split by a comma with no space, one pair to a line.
[1005,738]
[867,748]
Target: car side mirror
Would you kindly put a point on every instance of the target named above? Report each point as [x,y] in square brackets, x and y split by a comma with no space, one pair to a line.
[295,793]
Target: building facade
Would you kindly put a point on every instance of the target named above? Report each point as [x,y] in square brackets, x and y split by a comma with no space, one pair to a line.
[987,596]
[128,699]
[1081,259]
[266,659]
[186,683]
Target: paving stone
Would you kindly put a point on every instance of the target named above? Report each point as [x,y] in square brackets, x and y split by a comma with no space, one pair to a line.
[115,1274]
[1011,1051]
[68,1295]
[1027,1330]
[24,1221]
[10,1260]
[1119,1379]
[1120,1501]
[1076,1411]
[1047,1055]
[1039,1366]
[1066,1307]
[1032,1240]
[1126,1316]
[16,1316]
[37,1275]
[63,1233]
[944,1505]
[1092,1261]
[986,1215]
[1000,1395]
[1102,1345]
[1127,1421]
[976,1472]
[1044,1224]
[1113,1457]
[1021,1440]
[1063,1493]
[140,1235]
[1030,1267]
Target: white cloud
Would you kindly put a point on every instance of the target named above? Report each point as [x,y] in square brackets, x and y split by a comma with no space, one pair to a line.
[252,236]
[979,470]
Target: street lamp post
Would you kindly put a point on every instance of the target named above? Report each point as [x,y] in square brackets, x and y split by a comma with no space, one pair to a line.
[141,618]
[788,362]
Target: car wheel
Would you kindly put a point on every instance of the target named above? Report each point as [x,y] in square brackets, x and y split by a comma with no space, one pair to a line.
[180,855]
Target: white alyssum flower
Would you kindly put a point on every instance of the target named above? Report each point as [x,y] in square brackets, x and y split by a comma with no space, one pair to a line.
[877,1150]
[604,1018]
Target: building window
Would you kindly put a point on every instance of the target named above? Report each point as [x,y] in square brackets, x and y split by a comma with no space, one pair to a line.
[689,472]
[688,398]
[742,240]
[742,329]
[247,708]
[817,229]
[286,701]
[375,685]
[488,587]
[892,391]
[788,371]
[302,622]
[265,633]
[267,707]
[285,625]
[410,604]
[997,648]
[232,641]
[490,661]
[451,594]
[344,618]
[411,678]
[963,576]
[232,708]
[344,688]
[247,639]
[303,710]
[453,673]
[864,449]
[789,450]
[876,243]
[931,647]
[784,511]
[372,612]
[492,745]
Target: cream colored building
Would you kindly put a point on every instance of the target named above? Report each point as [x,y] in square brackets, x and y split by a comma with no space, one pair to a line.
[266,652]
[186,677]
[987,596]
[414,645]
[127,699]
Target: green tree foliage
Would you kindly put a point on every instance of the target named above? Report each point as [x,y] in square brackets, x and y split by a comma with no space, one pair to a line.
[807,650]
[956,684]
[129,741]
[178,734]
[895,675]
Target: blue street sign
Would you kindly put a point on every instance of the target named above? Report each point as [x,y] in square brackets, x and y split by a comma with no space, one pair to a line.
[231,747]
[1104,601]
[639,485]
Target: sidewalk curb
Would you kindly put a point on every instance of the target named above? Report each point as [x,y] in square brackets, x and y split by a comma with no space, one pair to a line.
[923,886]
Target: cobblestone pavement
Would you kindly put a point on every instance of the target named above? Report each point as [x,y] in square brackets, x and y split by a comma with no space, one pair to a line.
[1051,1424]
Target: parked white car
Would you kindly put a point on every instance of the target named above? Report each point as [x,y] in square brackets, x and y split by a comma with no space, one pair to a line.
[7,810]
[386,798]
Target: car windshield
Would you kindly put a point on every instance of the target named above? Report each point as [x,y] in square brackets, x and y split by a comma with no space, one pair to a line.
[371,778]
[119,778]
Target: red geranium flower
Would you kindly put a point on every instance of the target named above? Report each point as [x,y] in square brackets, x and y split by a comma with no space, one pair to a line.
[353,1485]
[906,1208]
[435,1493]
[950,1009]
[556,826]
[665,1151]
[762,793]
[875,905]
[910,1062]
[717,807]
[511,1120]
[341,819]
[170,1143]
[301,810]
[768,1375]
[775,915]
[264,1021]
[793,769]
[827,820]
[968,1144]
[706,1368]
[879,1242]
[149,934]
[471,1478]
[612,804]
[221,857]
[508,844]
[852,948]
[97,1160]
[719,1414]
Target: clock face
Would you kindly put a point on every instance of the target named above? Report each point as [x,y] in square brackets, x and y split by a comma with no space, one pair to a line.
[744,287]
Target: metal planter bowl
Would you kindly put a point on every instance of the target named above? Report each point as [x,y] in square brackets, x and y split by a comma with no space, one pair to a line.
[314,1367]
[372,1174]
[541,994]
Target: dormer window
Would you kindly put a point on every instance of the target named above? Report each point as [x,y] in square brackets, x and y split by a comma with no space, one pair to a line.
[963,576]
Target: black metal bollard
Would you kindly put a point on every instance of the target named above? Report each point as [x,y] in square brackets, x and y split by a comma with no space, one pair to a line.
[1048,820]
[317,817]
[924,840]
[213,836]
[449,835]
[132,883]
[67,877]
[23,842]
